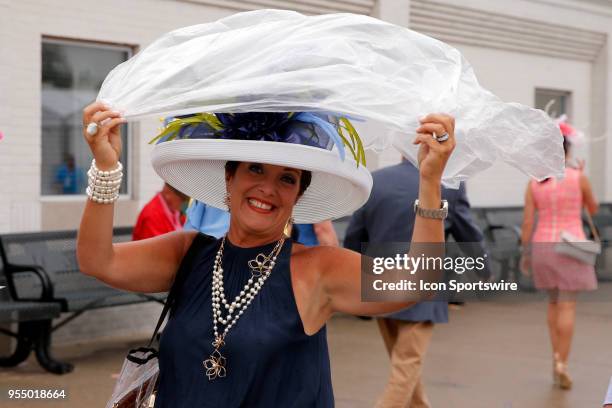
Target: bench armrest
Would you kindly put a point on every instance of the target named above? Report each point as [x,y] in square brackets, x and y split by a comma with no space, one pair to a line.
[488,231]
[45,281]
[517,231]
[492,227]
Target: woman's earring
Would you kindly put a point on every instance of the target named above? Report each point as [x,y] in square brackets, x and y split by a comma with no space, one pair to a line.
[289,226]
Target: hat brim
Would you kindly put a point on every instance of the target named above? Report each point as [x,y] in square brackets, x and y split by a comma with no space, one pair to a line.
[196,167]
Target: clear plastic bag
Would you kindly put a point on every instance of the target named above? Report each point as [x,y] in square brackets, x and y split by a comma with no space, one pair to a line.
[274,60]
[137,381]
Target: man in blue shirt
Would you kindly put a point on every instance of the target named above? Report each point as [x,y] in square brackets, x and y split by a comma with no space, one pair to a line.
[388,217]
[208,220]
[69,177]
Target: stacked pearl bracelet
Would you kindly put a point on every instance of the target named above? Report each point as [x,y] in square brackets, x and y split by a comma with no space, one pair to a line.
[103,186]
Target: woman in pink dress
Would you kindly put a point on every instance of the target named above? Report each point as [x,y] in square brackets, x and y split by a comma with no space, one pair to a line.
[558,204]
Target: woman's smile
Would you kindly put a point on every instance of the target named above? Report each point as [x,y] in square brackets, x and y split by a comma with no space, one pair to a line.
[260,206]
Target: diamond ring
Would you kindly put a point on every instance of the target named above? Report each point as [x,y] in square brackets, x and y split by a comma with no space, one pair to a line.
[442,138]
[92,129]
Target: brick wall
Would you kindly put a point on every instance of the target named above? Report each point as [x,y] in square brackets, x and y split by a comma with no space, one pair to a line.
[22,25]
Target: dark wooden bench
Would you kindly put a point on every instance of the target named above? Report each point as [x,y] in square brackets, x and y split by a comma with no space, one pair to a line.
[42,280]
[32,318]
[501,227]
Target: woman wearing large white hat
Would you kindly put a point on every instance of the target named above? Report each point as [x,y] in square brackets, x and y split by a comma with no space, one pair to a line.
[248,328]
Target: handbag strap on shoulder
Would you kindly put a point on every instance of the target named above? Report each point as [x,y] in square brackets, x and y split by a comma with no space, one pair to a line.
[198,241]
[592,226]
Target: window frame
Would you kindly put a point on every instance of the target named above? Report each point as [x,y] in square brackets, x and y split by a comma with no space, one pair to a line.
[129,169]
[556,93]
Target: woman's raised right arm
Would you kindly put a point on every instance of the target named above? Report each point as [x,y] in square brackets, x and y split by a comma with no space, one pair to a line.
[143,266]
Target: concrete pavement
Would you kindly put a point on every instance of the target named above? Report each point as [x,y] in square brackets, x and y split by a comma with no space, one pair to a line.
[490,355]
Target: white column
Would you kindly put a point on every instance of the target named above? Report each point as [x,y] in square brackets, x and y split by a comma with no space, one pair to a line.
[600,133]
[4,117]
[20,154]
[607,165]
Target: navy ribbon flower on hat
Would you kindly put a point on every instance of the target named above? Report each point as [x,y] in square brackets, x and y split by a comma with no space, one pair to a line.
[307,128]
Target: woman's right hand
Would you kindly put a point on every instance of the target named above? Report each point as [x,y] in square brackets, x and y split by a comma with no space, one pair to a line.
[105,145]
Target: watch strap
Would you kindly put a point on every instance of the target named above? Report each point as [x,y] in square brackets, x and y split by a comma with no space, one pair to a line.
[438,214]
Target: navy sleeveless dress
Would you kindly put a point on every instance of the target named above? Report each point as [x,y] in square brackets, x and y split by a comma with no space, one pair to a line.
[271,362]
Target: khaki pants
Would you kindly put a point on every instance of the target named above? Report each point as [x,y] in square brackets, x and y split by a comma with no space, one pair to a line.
[406,343]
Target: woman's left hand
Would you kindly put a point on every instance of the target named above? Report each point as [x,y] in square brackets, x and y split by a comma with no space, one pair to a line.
[433,155]
[525,265]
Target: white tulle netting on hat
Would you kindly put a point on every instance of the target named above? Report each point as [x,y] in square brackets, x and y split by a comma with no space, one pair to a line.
[274,60]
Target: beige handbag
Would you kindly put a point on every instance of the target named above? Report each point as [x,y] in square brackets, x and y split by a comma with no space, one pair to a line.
[582,250]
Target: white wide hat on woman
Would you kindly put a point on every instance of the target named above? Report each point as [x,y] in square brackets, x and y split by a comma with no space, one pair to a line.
[194,161]
[336,65]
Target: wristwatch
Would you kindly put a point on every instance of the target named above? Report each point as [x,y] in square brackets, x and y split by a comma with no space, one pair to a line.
[440,214]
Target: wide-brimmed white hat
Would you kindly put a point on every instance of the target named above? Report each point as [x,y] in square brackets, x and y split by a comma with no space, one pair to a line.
[196,167]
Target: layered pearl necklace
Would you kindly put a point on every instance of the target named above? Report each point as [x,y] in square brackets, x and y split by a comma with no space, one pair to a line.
[261,267]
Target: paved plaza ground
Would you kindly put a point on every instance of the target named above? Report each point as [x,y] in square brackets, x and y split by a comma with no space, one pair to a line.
[490,355]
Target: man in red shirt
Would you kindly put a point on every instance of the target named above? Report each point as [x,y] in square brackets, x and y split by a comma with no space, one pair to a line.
[164,213]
